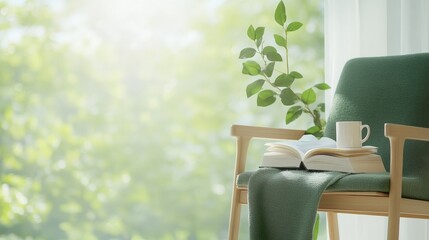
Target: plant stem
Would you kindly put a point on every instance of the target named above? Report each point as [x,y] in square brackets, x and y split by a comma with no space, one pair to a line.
[287,53]
[267,79]
[309,111]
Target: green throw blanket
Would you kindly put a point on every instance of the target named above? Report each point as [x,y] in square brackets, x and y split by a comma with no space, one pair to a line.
[283,203]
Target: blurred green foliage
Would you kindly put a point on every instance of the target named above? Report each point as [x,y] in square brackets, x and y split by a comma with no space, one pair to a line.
[115,115]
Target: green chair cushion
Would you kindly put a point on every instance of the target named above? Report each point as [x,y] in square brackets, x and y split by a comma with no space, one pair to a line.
[357,182]
[368,182]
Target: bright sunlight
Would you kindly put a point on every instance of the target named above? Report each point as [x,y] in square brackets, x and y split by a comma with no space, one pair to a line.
[116,114]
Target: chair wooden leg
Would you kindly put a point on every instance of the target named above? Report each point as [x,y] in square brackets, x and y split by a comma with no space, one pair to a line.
[394,219]
[332,221]
[234,218]
[395,192]
[393,230]
[240,163]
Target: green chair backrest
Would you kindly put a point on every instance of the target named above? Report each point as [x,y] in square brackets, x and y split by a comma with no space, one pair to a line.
[392,89]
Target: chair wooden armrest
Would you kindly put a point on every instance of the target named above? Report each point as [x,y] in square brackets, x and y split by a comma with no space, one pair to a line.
[406,132]
[265,132]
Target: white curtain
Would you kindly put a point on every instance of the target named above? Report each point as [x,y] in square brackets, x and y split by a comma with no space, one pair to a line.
[361,28]
[357,28]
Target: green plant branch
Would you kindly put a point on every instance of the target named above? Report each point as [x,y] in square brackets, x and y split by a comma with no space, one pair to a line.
[279,84]
[266,78]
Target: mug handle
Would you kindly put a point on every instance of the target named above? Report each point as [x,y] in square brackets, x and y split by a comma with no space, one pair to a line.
[367,132]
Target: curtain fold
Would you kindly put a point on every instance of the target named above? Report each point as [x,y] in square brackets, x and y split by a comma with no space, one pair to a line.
[364,28]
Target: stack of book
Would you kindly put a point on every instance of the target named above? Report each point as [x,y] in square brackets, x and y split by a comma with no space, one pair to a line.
[321,154]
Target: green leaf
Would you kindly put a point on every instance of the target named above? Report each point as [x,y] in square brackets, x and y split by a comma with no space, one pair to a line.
[269,69]
[296,74]
[271,53]
[288,97]
[284,80]
[247,53]
[316,118]
[293,113]
[313,130]
[321,106]
[280,40]
[254,87]
[323,123]
[251,68]
[273,56]
[308,96]
[266,98]
[258,42]
[259,32]
[251,32]
[322,86]
[293,26]
[280,14]
[269,49]
[316,227]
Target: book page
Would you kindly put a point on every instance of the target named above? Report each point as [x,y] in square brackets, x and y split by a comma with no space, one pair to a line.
[286,151]
[342,152]
[302,146]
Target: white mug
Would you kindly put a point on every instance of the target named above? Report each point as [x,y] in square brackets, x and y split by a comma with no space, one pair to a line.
[349,134]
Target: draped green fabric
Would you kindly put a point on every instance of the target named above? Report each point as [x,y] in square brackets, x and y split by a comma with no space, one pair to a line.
[283,204]
[375,90]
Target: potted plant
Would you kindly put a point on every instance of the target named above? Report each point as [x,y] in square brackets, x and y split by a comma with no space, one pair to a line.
[273,79]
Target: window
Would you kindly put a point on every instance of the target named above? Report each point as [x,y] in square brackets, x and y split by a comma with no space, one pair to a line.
[115,114]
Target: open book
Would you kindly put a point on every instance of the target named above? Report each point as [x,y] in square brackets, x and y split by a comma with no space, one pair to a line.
[321,154]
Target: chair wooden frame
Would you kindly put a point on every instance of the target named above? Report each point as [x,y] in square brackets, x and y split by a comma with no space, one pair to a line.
[368,203]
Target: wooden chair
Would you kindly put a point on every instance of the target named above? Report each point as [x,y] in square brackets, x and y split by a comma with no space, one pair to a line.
[391,94]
